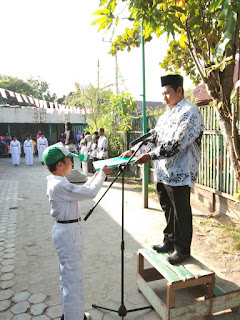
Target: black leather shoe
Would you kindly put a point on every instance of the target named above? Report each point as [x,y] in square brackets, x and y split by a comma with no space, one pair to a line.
[177,257]
[86,316]
[164,247]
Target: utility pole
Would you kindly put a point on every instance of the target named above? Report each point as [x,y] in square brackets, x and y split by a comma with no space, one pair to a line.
[116,74]
[145,165]
[98,85]
[98,67]
[116,69]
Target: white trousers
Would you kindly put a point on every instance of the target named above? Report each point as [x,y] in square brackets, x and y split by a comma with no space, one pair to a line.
[15,156]
[40,152]
[28,157]
[68,242]
[85,167]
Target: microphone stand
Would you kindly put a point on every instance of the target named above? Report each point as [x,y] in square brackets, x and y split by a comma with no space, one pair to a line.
[122,311]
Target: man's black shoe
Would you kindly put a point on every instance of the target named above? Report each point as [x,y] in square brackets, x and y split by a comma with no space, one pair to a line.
[86,316]
[164,247]
[177,257]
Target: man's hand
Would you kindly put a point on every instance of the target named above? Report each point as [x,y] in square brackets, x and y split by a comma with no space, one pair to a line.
[144,158]
[126,154]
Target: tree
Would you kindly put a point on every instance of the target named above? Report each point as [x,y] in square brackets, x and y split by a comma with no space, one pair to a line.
[91,99]
[31,87]
[203,39]
[112,112]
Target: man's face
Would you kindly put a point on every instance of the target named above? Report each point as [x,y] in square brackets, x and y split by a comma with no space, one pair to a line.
[100,133]
[171,97]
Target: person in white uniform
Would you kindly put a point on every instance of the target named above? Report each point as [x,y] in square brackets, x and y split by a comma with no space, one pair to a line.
[42,144]
[102,152]
[93,151]
[15,151]
[28,151]
[67,233]
[84,151]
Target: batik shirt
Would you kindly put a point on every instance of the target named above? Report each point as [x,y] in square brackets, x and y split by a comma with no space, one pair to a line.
[177,145]
[102,147]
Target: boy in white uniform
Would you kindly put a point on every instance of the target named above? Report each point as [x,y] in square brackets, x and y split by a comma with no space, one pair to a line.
[84,151]
[42,144]
[28,150]
[102,152]
[67,232]
[15,150]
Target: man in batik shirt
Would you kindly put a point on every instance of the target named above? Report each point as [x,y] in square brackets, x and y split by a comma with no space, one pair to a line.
[176,154]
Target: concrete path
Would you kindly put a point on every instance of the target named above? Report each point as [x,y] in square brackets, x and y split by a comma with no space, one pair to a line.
[29,279]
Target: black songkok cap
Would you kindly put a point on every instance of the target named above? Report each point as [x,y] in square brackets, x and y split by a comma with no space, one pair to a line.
[172,79]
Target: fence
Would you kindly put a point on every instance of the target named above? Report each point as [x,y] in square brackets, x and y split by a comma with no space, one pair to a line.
[214,168]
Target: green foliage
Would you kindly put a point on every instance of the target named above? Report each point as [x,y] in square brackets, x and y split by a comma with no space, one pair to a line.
[91,98]
[201,31]
[31,87]
[156,112]
[112,112]
[178,57]
[122,108]
[204,40]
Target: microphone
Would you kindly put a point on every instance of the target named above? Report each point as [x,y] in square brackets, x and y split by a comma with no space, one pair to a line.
[143,137]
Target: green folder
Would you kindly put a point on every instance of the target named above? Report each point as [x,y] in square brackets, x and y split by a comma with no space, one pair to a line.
[81,157]
[111,163]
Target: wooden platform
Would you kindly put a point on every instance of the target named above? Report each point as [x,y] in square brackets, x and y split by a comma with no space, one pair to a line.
[190,273]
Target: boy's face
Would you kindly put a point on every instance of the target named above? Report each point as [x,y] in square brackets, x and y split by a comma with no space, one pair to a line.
[67,166]
[64,168]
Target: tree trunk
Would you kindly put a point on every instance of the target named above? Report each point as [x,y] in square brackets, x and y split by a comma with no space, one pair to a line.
[220,86]
[231,142]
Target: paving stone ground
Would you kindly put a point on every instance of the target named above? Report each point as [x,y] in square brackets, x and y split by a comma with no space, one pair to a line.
[29,279]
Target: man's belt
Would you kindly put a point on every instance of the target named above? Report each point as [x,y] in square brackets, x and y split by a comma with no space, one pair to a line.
[70,221]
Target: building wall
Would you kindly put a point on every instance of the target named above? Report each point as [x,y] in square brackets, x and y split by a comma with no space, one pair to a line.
[21,121]
[39,115]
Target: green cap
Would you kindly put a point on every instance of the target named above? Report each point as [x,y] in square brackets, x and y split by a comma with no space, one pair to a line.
[55,153]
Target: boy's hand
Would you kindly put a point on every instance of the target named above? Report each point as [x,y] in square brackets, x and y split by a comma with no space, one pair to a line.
[107,170]
[126,154]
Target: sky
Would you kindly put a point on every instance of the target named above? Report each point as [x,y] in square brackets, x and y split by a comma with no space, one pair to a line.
[53,40]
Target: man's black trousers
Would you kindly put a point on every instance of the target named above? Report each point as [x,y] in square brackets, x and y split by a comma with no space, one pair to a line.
[175,202]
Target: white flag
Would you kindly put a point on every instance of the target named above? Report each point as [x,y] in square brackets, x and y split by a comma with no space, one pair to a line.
[31,100]
[45,104]
[25,98]
[3,93]
[36,102]
[19,98]
[41,104]
[12,94]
